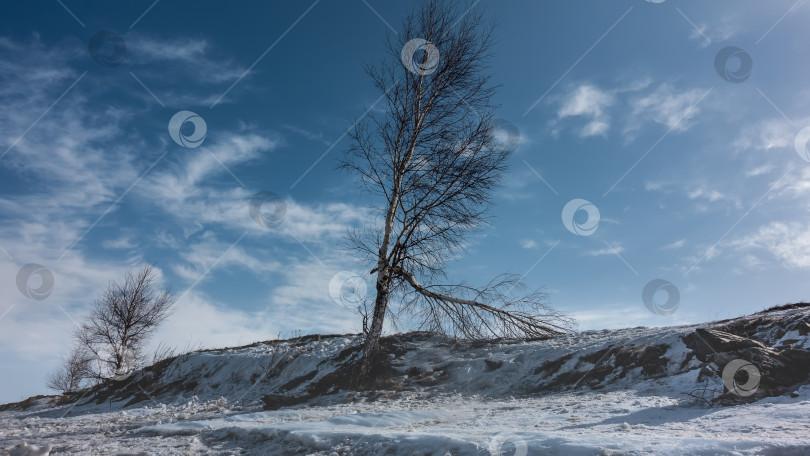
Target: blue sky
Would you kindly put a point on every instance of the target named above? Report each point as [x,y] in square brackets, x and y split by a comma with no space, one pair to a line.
[697,180]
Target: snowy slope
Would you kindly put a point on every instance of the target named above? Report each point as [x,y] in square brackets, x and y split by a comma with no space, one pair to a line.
[611,392]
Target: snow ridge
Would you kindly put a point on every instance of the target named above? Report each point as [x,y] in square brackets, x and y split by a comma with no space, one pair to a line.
[610,392]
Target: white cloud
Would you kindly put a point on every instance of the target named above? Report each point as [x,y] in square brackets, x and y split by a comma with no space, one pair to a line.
[723,27]
[529,244]
[703,193]
[152,58]
[122,243]
[788,242]
[300,303]
[322,221]
[589,102]
[674,245]
[632,104]
[520,184]
[759,170]
[188,177]
[615,250]
[197,321]
[796,184]
[63,153]
[652,186]
[44,67]
[187,50]
[189,192]
[586,100]
[208,252]
[751,261]
[767,135]
[667,106]
[701,197]
[310,135]
[595,128]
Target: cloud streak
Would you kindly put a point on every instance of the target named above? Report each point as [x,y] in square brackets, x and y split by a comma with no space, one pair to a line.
[632,106]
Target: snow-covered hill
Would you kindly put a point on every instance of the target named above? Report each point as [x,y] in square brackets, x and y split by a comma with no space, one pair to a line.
[614,392]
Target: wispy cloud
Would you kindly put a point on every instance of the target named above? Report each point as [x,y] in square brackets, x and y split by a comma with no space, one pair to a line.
[182,71]
[787,242]
[206,250]
[706,194]
[760,170]
[766,135]
[674,245]
[666,105]
[120,243]
[529,244]
[720,28]
[310,135]
[589,102]
[616,249]
[633,105]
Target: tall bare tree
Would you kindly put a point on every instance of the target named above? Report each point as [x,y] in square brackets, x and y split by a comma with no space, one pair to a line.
[122,321]
[431,160]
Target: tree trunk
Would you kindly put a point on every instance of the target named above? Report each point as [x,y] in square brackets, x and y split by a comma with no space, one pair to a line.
[372,343]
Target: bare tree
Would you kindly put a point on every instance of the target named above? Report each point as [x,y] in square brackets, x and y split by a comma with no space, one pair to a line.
[122,321]
[433,158]
[72,373]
